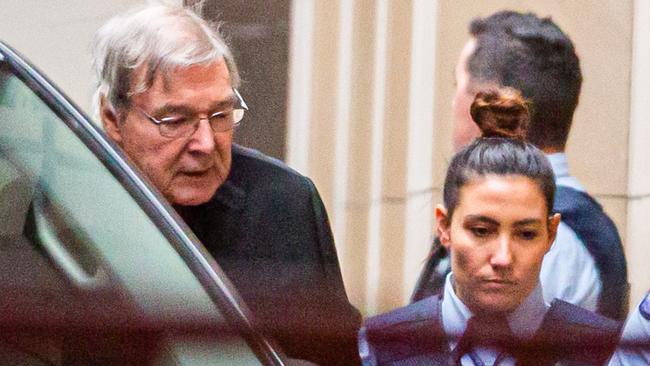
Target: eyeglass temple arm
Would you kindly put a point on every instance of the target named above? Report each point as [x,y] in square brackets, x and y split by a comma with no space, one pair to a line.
[241,100]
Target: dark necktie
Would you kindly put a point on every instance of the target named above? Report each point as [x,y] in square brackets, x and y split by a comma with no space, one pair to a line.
[484,331]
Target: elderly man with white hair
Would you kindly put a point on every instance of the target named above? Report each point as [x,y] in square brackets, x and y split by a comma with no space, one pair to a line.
[168,97]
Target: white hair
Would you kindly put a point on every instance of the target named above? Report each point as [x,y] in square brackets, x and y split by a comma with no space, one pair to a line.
[150,40]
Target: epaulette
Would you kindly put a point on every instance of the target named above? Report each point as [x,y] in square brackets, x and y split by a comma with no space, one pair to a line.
[644,307]
[406,333]
[573,334]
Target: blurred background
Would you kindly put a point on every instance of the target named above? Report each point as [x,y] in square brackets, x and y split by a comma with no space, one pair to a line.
[357,95]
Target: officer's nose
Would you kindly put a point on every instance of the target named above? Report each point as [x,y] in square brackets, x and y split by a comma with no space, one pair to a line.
[502,256]
[203,138]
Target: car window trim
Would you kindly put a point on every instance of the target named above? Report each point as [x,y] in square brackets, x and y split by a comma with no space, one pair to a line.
[209,274]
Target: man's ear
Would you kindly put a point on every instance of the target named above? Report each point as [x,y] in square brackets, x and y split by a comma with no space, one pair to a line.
[553,223]
[110,120]
[443,225]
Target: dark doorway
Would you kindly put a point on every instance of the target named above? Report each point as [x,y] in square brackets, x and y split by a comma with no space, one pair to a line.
[258,33]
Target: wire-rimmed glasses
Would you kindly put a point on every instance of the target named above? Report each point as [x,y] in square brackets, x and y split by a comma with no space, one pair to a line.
[186,125]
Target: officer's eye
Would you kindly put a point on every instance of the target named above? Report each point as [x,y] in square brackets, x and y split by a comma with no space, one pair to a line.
[528,234]
[480,231]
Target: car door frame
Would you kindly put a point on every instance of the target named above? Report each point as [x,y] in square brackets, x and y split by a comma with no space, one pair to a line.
[207,271]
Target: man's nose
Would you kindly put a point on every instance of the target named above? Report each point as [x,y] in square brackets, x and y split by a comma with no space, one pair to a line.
[502,256]
[203,138]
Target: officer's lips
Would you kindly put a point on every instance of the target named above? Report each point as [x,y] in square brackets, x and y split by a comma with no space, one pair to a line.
[498,283]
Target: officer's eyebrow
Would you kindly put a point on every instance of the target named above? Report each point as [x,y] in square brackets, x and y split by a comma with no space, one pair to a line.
[530,221]
[482,219]
[488,220]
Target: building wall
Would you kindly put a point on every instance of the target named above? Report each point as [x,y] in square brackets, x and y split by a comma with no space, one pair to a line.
[360,124]
[258,36]
[638,197]
[370,87]
[56,36]
[371,83]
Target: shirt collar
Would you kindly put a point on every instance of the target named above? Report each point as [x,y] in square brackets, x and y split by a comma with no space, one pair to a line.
[523,321]
[560,166]
[454,313]
[527,318]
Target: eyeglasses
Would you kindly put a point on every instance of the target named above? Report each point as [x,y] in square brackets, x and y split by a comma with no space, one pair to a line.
[186,125]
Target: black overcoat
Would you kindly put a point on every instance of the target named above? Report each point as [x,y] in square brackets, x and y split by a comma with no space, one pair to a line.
[267,228]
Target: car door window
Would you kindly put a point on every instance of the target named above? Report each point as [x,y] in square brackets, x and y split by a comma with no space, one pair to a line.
[87,276]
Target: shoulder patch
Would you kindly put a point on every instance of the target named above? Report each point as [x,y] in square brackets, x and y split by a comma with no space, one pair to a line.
[644,308]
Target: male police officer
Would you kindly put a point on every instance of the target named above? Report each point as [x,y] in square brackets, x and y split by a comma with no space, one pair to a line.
[634,347]
[533,55]
[168,97]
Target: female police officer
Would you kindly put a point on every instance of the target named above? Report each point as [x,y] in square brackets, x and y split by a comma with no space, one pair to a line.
[497,223]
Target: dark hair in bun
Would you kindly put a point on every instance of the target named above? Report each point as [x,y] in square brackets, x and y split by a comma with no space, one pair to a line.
[502,114]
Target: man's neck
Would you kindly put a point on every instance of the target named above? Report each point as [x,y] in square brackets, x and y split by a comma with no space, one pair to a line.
[186,212]
[552,150]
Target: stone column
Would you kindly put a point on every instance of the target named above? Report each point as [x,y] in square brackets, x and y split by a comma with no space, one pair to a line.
[361,125]
[638,207]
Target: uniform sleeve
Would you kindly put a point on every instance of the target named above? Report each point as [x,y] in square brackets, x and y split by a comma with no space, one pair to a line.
[634,347]
[569,271]
[365,350]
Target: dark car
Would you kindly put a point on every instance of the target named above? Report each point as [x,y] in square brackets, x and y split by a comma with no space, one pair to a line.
[95,267]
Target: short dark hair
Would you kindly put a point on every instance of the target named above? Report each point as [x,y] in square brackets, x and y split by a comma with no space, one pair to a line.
[534,56]
[502,115]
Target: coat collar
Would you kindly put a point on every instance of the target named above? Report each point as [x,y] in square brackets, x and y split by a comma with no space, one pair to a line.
[229,195]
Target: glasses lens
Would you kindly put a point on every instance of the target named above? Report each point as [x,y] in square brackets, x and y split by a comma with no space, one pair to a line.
[182,128]
[220,122]
[237,115]
[225,121]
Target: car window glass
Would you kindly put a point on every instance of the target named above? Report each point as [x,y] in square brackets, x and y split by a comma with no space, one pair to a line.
[86,276]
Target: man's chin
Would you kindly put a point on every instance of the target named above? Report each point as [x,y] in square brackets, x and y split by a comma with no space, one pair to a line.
[192,197]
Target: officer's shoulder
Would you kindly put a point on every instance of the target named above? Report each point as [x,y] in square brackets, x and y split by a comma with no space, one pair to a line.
[404,319]
[249,163]
[644,306]
[579,318]
[408,335]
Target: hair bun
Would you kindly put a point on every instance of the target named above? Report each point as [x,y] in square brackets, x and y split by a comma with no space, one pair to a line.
[501,112]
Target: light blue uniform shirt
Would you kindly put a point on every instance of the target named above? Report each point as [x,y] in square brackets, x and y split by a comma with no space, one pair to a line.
[636,331]
[569,271]
[523,322]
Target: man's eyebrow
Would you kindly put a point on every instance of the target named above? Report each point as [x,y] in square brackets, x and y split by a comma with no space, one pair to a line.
[228,102]
[172,108]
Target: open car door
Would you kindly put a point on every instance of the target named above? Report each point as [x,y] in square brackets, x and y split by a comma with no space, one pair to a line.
[95,266]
